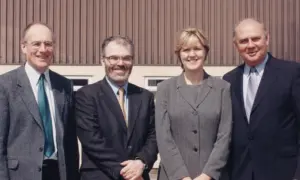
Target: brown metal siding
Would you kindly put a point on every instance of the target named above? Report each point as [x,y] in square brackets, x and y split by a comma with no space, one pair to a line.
[81,25]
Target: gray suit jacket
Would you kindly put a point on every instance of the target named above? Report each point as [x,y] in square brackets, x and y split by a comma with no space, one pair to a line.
[193,127]
[21,129]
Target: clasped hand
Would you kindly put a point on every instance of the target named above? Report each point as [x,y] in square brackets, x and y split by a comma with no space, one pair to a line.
[132,170]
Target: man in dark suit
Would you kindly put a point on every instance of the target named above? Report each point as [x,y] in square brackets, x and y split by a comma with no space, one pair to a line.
[266,109]
[37,133]
[115,120]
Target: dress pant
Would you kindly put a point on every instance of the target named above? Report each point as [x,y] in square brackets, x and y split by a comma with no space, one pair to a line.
[50,170]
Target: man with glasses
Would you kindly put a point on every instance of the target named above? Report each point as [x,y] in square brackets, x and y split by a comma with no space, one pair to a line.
[115,120]
[37,132]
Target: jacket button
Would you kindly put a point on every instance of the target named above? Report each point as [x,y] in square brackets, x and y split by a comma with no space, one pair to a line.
[250,138]
[195,149]
[195,113]
[41,149]
[195,131]
[129,147]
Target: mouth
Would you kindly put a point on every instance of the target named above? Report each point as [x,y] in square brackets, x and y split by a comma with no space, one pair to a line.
[252,53]
[42,57]
[119,70]
[192,60]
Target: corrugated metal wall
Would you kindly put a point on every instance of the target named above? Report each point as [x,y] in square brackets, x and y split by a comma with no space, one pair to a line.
[81,26]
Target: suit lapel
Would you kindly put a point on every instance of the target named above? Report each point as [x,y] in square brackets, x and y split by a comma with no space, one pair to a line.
[59,99]
[185,92]
[134,103]
[269,77]
[110,98]
[27,95]
[204,90]
[238,86]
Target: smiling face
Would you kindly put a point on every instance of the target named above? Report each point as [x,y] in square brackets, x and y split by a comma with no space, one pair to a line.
[192,54]
[251,41]
[191,49]
[118,62]
[38,47]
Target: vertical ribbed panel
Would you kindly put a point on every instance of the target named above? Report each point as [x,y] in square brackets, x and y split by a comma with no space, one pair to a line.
[80,27]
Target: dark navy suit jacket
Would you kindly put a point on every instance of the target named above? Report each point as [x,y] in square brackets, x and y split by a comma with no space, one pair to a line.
[267,147]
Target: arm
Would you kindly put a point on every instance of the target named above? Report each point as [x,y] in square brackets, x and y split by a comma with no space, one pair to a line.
[92,141]
[71,143]
[4,128]
[296,105]
[144,159]
[169,152]
[148,153]
[219,155]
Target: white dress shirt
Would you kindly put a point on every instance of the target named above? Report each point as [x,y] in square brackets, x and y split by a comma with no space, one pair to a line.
[260,70]
[34,76]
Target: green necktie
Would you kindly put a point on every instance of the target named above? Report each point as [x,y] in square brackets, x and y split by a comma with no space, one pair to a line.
[46,117]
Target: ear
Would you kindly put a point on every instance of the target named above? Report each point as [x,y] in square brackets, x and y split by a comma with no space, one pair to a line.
[235,42]
[267,38]
[102,60]
[23,47]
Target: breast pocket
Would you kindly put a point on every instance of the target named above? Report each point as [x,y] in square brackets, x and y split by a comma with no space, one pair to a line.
[12,164]
[288,152]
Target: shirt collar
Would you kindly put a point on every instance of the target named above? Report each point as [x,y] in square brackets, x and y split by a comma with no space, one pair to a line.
[260,67]
[34,75]
[115,87]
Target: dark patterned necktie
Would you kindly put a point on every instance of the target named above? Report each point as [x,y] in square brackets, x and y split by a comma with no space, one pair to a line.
[46,117]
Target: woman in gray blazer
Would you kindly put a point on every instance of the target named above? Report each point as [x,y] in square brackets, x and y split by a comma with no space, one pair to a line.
[193,116]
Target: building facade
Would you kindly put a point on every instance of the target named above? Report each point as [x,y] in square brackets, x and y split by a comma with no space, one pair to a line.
[80,26]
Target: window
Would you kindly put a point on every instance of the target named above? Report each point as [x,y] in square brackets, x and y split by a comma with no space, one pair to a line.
[152,82]
[79,81]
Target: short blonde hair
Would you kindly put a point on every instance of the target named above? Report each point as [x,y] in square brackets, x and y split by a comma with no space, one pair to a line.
[185,35]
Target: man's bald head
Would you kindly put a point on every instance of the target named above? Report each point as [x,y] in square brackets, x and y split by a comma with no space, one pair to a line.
[38,46]
[251,40]
[33,28]
[249,22]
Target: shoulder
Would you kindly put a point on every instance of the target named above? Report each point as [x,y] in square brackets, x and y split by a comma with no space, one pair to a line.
[10,74]
[285,68]
[58,77]
[137,89]
[59,81]
[218,83]
[9,78]
[285,64]
[166,84]
[233,73]
[91,88]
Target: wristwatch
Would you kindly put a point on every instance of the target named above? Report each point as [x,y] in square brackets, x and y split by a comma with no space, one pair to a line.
[145,165]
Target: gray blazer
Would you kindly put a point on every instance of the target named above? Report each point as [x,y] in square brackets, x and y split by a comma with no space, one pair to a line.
[21,129]
[193,127]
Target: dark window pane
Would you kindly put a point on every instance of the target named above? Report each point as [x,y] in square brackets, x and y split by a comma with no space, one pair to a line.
[154,82]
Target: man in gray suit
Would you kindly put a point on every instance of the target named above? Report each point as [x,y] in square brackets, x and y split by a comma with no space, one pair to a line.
[37,133]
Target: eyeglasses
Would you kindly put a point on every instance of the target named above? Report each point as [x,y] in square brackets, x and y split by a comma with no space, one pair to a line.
[38,44]
[115,59]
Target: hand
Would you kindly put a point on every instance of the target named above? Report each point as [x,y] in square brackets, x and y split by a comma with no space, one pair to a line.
[186,178]
[203,177]
[132,170]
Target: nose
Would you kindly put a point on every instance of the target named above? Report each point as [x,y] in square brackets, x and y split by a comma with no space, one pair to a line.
[42,47]
[250,43]
[120,62]
[192,53]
